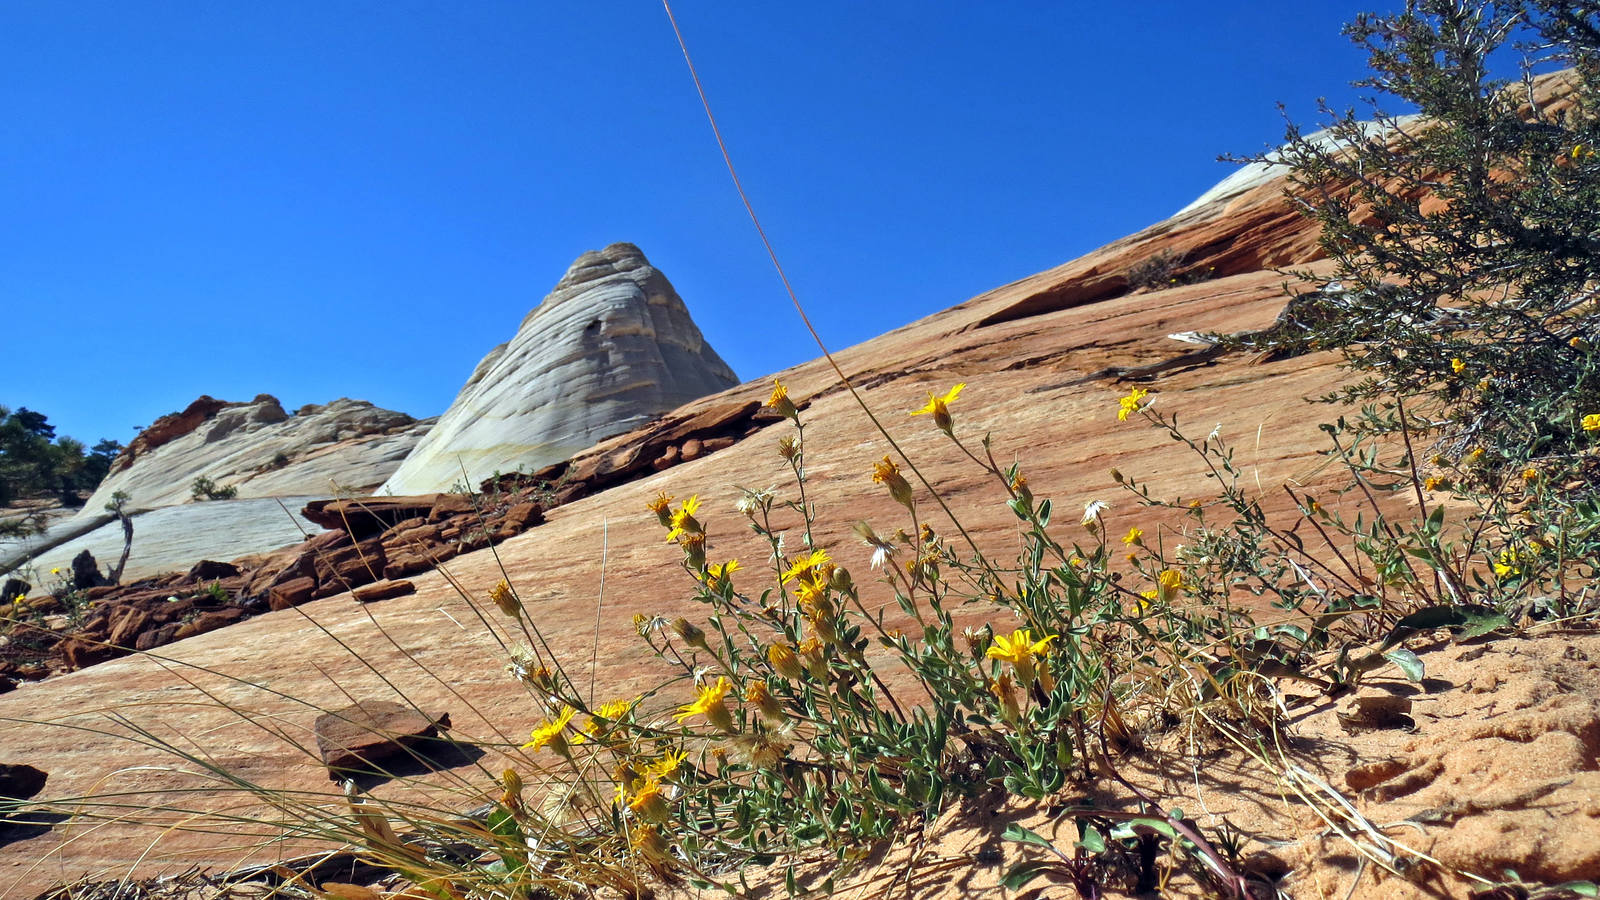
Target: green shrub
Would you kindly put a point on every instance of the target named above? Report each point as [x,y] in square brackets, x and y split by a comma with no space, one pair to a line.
[203,488]
[1466,254]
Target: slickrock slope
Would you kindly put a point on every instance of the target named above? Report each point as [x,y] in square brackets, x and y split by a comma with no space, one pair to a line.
[610,348]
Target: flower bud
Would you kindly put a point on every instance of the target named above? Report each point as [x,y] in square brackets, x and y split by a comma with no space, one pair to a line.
[1004,691]
[978,640]
[768,705]
[692,634]
[694,551]
[785,662]
[506,599]
[887,473]
[780,403]
[840,580]
[513,787]
[648,843]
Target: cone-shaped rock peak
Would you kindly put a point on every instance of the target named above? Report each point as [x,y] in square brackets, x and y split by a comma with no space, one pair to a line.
[611,347]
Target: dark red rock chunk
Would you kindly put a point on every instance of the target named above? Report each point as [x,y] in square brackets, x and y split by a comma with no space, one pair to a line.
[364,517]
[383,590]
[363,736]
[291,593]
[19,782]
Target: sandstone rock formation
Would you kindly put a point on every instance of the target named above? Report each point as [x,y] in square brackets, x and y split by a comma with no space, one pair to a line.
[263,451]
[344,447]
[610,348]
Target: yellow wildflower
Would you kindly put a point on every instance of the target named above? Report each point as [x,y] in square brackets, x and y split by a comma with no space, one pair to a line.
[1530,475]
[1475,456]
[709,704]
[1167,584]
[1457,366]
[816,560]
[646,840]
[717,575]
[1134,536]
[683,521]
[1019,648]
[780,403]
[607,715]
[506,599]
[667,766]
[887,473]
[551,734]
[56,571]
[1131,403]
[939,408]
[763,700]
[662,507]
[816,657]
[1432,482]
[1591,422]
[784,661]
[648,801]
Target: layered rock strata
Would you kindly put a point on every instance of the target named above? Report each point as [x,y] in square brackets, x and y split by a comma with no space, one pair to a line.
[609,349]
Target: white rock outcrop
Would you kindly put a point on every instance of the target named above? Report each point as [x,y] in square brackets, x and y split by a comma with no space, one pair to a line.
[347,446]
[611,347]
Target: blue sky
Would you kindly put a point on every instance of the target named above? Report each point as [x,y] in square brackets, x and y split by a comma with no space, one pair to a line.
[340,198]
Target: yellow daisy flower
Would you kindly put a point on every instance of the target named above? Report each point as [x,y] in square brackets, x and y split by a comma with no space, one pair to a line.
[709,703]
[550,734]
[1131,403]
[939,408]
[683,521]
[1019,649]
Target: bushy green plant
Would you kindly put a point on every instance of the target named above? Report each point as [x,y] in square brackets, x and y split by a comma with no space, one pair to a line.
[203,488]
[1465,241]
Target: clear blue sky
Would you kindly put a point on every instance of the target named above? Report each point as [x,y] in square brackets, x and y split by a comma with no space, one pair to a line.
[340,198]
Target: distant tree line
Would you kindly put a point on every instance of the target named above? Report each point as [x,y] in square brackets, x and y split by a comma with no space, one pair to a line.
[34,463]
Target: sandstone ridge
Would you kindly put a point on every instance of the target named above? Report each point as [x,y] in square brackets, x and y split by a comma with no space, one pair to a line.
[260,449]
[609,349]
